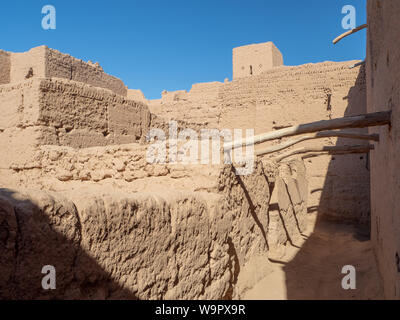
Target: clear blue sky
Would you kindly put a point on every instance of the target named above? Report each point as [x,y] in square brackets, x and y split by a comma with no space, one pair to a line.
[170,44]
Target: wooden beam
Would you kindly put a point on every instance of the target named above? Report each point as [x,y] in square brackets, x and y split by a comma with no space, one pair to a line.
[361,121]
[318,135]
[343,35]
[328,149]
[357,65]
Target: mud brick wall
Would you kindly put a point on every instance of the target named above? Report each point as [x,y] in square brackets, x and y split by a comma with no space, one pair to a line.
[43,62]
[65,66]
[30,64]
[5,67]
[197,243]
[383,87]
[85,116]
[66,113]
[286,96]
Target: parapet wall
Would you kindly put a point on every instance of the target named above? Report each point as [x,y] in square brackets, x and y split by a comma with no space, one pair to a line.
[254,59]
[137,95]
[185,232]
[43,62]
[199,93]
[286,96]
[5,66]
[30,64]
[59,65]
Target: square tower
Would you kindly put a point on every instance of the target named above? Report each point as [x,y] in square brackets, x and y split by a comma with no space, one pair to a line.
[254,59]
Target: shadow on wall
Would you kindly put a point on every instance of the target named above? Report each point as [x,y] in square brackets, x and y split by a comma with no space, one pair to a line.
[315,271]
[33,236]
[345,195]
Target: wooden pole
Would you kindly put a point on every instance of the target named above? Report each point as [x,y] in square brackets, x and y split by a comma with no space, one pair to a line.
[328,149]
[343,35]
[361,121]
[318,135]
[357,65]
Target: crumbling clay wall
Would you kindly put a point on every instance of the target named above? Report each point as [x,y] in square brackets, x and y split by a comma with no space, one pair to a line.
[173,238]
[26,65]
[59,65]
[254,59]
[111,247]
[137,95]
[286,96]
[383,87]
[130,229]
[206,91]
[113,225]
[199,107]
[200,93]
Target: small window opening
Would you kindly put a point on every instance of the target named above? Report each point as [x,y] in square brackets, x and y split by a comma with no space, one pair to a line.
[29,74]
[251,70]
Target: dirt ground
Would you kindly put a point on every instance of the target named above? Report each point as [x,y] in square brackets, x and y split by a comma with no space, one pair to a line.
[313,269]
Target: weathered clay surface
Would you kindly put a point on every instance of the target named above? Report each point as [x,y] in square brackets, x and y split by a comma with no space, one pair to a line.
[43,62]
[196,242]
[383,85]
[288,207]
[79,194]
[285,96]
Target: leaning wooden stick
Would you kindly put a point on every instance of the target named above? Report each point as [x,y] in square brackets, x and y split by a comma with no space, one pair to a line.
[361,121]
[357,65]
[328,149]
[318,135]
[349,33]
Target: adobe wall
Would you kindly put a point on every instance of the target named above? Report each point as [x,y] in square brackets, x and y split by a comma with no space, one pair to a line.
[137,95]
[5,66]
[285,96]
[30,64]
[199,107]
[183,214]
[205,91]
[171,96]
[254,59]
[66,113]
[383,87]
[199,93]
